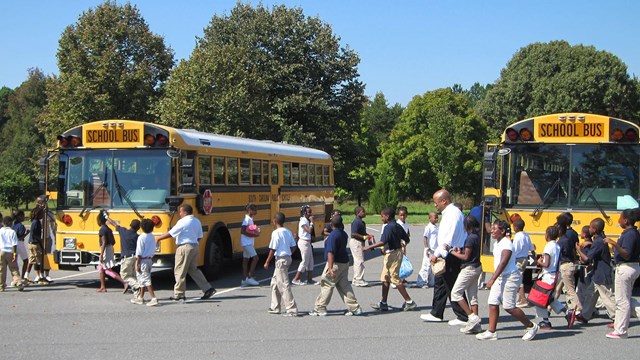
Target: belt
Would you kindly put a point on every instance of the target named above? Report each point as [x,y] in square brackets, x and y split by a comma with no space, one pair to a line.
[146,257]
[187,244]
[126,257]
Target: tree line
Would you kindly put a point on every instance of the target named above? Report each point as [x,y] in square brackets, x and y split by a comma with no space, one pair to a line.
[275,73]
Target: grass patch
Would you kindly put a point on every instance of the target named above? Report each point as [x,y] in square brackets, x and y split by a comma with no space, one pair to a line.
[418,212]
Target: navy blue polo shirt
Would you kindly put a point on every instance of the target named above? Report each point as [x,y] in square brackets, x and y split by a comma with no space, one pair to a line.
[630,241]
[128,241]
[336,243]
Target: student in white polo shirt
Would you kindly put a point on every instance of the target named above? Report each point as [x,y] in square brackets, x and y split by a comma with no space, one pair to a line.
[187,232]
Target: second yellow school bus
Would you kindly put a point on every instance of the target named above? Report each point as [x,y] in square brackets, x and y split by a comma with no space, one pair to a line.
[585,164]
[137,170]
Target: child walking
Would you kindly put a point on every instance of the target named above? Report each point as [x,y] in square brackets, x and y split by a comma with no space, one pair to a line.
[281,247]
[305,228]
[248,248]
[145,249]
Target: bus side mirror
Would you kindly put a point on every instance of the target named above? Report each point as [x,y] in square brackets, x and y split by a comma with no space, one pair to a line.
[489,170]
[174,202]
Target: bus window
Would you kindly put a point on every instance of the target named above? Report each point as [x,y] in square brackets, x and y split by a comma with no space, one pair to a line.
[232,171]
[274,174]
[295,174]
[256,172]
[265,172]
[303,174]
[218,171]
[312,174]
[325,175]
[286,173]
[318,174]
[204,170]
[245,171]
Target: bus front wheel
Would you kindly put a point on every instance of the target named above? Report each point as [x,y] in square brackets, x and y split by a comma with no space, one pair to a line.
[213,257]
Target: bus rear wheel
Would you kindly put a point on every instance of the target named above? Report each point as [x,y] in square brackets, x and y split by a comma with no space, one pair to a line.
[213,258]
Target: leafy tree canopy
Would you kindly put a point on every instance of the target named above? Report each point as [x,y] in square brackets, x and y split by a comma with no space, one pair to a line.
[111,66]
[269,74]
[546,78]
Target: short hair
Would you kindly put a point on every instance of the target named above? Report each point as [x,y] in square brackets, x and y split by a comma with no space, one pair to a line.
[102,217]
[7,221]
[251,206]
[503,225]
[471,224]
[552,232]
[519,224]
[458,205]
[279,218]
[633,215]
[389,212]
[357,210]
[403,208]
[187,208]
[17,214]
[135,224]
[598,224]
[336,222]
[147,225]
[564,219]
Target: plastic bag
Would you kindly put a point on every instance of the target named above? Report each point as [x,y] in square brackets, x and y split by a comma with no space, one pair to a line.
[406,269]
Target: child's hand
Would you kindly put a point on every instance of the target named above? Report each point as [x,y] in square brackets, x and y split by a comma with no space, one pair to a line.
[266,265]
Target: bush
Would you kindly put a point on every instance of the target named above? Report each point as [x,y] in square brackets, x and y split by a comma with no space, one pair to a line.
[384,194]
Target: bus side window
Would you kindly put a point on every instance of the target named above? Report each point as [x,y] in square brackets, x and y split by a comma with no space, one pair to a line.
[232,171]
[274,174]
[286,173]
[219,174]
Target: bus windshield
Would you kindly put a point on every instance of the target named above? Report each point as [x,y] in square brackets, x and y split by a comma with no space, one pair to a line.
[572,176]
[114,179]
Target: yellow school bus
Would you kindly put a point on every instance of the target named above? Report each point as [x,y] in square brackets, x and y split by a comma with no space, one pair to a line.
[136,170]
[585,164]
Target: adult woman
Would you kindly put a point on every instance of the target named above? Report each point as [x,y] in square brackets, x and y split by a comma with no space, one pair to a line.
[626,257]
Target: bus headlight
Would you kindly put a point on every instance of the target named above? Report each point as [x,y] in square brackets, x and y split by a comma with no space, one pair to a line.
[70,243]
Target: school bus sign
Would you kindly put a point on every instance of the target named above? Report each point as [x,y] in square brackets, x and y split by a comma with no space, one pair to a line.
[557,129]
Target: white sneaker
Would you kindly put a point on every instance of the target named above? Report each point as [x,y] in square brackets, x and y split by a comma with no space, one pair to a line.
[360,284]
[470,331]
[49,279]
[474,320]
[243,283]
[153,302]
[487,335]
[430,318]
[531,332]
[252,282]
[137,301]
[298,282]
[456,322]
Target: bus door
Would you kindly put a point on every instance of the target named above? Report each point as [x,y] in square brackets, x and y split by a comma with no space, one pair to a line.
[274,181]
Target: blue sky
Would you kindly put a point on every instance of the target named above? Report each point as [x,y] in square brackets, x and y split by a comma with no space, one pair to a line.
[406,47]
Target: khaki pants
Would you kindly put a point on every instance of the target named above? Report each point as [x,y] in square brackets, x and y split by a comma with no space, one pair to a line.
[626,275]
[281,287]
[128,271]
[341,283]
[6,260]
[567,279]
[604,293]
[186,264]
[306,254]
[358,260]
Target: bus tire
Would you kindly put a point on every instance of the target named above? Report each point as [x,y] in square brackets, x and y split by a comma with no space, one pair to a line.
[214,257]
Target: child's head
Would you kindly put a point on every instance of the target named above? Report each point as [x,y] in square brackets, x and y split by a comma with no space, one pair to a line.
[499,229]
[402,213]
[518,225]
[336,222]
[585,234]
[471,224]
[102,217]
[135,225]
[36,213]
[18,216]
[252,209]
[147,225]
[359,212]
[335,213]
[387,215]
[433,217]
[7,221]
[596,227]
[552,233]
[278,219]
[305,211]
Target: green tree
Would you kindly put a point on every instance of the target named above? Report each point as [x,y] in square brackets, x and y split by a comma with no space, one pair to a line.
[436,143]
[5,93]
[22,143]
[269,74]
[546,78]
[384,193]
[111,66]
[376,122]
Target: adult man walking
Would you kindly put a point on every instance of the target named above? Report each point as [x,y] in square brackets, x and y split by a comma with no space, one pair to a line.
[450,232]
[187,232]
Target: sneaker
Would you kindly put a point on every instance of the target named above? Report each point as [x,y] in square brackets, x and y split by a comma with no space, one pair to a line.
[43,281]
[409,306]
[243,283]
[571,318]
[482,286]
[470,331]
[177,298]
[209,293]
[315,313]
[382,306]
[292,314]
[49,279]
[615,335]
[252,282]
[531,332]
[360,283]
[487,335]
[273,311]
[298,282]
[545,325]
[393,286]
[137,301]
[457,322]
[153,302]
[430,318]
[474,321]
[354,313]
[522,304]
[582,319]
[312,282]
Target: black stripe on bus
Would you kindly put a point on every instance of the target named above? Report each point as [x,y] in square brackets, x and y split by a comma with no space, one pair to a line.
[289,188]
[300,204]
[236,188]
[223,209]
